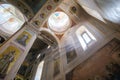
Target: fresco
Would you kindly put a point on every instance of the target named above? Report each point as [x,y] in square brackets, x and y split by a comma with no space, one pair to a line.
[103,65]
[70,54]
[24,38]
[7,59]
[56,67]
[35,4]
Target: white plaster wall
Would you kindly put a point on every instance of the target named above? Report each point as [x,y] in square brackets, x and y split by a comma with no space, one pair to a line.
[103,35]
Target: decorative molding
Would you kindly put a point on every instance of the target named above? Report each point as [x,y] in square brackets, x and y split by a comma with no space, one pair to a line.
[23,7]
[40,18]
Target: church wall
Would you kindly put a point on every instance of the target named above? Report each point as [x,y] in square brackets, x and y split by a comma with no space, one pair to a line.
[32,28]
[78,46]
[92,5]
[102,32]
[75,11]
[23,7]
[21,50]
[103,35]
[97,65]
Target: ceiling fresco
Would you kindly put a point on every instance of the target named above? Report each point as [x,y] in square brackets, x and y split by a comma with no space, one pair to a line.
[35,4]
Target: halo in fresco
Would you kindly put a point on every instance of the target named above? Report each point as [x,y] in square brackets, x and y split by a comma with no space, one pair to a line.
[7,59]
[24,38]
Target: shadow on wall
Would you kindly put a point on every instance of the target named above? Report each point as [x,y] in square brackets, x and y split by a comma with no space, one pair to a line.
[103,65]
[110,9]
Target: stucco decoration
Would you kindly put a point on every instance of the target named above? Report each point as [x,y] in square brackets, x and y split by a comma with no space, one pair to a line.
[23,7]
[59,22]
[44,12]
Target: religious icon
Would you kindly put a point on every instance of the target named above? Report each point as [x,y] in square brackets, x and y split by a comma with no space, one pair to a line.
[24,38]
[73,9]
[70,54]
[49,7]
[7,59]
[42,15]
[56,67]
[37,22]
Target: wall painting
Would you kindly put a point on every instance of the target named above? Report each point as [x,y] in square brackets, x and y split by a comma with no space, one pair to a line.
[24,38]
[7,59]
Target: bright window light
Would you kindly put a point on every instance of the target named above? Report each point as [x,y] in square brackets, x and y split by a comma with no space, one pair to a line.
[85,37]
[59,22]
[38,56]
[39,71]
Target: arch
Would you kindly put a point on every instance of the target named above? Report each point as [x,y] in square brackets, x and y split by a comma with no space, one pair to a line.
[23,7]
[109,9]
[11,19]
[50,35]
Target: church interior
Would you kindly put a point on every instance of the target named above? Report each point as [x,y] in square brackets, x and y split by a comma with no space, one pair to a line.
[59,40]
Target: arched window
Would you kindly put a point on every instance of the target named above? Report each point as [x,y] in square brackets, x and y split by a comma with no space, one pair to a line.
[85,37]
[59,22]
[11,19]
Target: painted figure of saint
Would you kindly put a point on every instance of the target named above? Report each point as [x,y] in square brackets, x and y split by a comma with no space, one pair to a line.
[23,39]
[5,61]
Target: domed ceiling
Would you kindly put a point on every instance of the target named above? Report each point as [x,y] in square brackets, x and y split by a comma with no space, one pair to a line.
[35,5]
